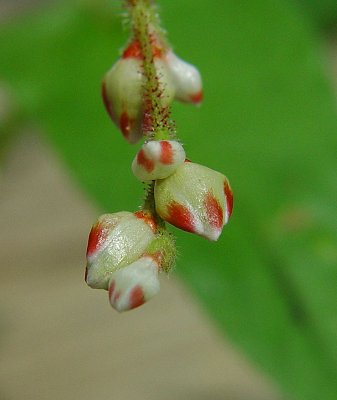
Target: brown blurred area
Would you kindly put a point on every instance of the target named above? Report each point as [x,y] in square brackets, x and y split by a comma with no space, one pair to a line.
[9,8]
[60,339]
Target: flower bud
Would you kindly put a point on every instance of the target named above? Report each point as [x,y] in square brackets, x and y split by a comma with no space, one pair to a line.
[116,240]
[122,98]
[186,79]
[195,199]
[122,91]
[158,159]
[133,285]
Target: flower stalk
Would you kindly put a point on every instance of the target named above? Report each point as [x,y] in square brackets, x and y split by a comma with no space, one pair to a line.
[127,251]
[149,36]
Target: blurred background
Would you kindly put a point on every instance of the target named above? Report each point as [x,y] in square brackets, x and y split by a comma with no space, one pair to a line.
[251,317]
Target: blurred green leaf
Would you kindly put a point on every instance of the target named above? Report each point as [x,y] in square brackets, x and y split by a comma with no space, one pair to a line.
[268,121]
[323,12]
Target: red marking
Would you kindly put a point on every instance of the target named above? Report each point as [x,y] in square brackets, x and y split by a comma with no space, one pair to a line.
[197,98]
[214,211]
[96,237]
[166,153]
[157,49]
[229,198]
[117,296]
[145,162]
[187,160]
[180,216]
[125,124]
[148,218]
[136,297]
[134,50]
[111,288]
[107,104]
[157,257]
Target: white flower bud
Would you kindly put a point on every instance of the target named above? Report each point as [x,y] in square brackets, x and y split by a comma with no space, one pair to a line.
[195,199]
[122,91]
[116,240]
[186,79]
[133,285]
[158,159]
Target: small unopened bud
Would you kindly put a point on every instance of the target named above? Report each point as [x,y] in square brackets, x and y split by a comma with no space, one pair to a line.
[158,159]
[122,90]
[116,240]
[195,199]
[186,79]
[133,285]
[136,283]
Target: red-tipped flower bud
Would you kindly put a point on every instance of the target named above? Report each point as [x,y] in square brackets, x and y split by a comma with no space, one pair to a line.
[126,251]
[196,199]
[133,285]
[116,240]
[186,79]
[122,91]
[158,159]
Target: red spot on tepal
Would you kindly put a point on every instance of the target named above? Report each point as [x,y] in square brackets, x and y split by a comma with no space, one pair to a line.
[97,236]
[180,216]
[117,295]
[125,124]
[145,162]
[166,153]
[229,198]
[214,211]
[197,98]
[106,101]
[111,288]
[157,48]
[148,218]
[157,257]
[133,50]
[136,297]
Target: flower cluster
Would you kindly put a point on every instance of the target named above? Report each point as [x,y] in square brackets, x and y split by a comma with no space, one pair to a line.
[189,196]
[126,251]
[122,86]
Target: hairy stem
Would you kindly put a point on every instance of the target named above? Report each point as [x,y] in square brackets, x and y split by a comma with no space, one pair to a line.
[147,32]
[157,124]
